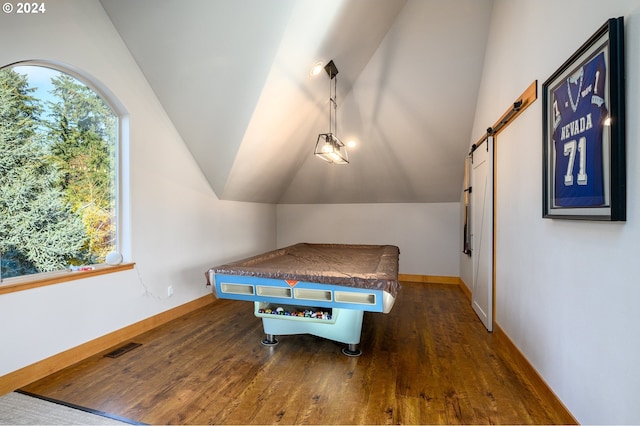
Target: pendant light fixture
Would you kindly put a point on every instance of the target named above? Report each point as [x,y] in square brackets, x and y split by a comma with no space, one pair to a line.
[328,146]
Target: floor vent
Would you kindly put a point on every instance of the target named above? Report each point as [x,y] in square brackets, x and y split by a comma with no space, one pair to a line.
[123,350]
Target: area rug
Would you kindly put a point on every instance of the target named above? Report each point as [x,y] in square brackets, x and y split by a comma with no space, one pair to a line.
[25,409]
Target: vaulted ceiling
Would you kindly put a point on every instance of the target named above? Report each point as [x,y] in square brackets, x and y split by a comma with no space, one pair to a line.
[234,78]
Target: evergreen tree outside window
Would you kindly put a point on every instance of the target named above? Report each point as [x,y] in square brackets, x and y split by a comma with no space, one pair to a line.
[58,188]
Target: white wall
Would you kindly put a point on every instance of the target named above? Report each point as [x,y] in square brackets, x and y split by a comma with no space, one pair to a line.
[177,229]
[567,291]
[427,234]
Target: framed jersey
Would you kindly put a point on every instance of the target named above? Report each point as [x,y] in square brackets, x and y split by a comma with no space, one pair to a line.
[584,173]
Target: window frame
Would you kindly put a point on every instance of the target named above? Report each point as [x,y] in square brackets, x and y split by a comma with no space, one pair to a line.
[43,279]
[122,191]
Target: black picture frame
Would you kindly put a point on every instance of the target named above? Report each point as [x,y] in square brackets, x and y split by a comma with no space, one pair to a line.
[584,165]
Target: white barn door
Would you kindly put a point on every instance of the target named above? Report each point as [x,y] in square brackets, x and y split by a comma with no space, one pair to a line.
[482,231]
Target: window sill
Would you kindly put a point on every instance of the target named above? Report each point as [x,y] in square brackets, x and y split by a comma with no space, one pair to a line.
[11,285]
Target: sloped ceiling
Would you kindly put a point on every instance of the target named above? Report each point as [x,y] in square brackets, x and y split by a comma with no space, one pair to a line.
[234,77]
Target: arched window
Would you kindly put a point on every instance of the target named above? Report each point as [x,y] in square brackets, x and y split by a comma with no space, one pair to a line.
[58,172]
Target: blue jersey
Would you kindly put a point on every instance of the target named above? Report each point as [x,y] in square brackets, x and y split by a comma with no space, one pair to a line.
[579,113]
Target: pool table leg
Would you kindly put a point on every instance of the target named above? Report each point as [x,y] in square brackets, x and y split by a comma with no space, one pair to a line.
[270,340]
[352,350]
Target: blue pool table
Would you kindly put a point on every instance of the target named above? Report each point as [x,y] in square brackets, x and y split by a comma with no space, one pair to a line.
[319,289]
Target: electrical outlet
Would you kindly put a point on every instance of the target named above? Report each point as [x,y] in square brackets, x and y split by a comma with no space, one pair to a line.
[170,291]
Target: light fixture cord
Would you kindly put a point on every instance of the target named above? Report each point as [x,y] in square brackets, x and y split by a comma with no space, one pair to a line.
[333,105]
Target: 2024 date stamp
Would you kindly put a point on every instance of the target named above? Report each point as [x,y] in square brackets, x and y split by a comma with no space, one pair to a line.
[24,8]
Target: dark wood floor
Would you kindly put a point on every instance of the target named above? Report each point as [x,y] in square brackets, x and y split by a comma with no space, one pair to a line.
[429,361]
